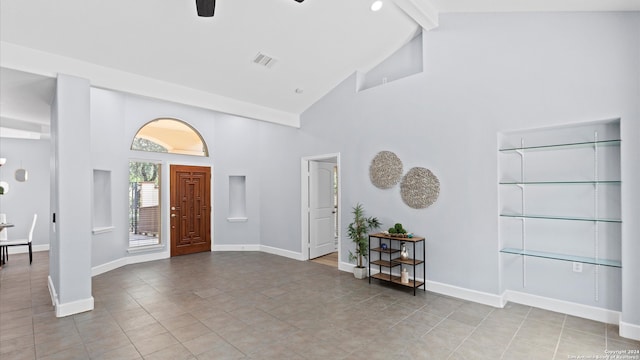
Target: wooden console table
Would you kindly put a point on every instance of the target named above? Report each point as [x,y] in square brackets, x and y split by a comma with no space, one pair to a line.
[389,258]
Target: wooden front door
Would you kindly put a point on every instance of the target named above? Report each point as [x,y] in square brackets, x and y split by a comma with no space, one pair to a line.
[190,209]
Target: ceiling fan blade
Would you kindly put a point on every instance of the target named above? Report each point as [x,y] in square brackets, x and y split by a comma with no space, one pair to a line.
[206,8]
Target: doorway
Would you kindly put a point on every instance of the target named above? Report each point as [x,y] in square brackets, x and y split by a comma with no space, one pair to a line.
[190,215]
[321,206]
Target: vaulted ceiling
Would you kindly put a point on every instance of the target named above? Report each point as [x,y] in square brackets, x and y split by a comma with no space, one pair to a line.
[162,49]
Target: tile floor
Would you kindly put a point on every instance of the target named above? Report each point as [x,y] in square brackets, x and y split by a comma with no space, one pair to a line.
[259,306]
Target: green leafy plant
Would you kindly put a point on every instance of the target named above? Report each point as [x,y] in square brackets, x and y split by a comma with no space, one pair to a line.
[399,229]
[358,231]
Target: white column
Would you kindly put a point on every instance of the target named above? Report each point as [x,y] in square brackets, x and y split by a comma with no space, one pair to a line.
[70,255]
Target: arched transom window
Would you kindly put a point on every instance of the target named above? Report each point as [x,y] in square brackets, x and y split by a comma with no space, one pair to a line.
[170,136]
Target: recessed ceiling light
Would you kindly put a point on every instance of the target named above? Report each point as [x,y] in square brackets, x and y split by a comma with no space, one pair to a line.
[376,5]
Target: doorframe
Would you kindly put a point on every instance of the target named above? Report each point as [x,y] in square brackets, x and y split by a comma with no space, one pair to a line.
[304,200]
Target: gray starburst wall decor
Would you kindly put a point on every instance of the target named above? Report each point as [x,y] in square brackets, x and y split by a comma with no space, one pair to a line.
[419,188]
[385,170]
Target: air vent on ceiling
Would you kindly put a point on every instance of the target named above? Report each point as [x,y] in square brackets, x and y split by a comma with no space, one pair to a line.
[264,60]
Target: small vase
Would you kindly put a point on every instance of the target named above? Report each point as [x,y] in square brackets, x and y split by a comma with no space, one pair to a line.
[404,278]
[404,253]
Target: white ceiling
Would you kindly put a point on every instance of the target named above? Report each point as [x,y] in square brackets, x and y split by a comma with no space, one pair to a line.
[161,48]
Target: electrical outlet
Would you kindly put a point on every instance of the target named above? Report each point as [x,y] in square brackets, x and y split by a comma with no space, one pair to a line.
[577,267]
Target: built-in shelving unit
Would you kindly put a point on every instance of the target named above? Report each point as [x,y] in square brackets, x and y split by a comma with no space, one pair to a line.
[560,200]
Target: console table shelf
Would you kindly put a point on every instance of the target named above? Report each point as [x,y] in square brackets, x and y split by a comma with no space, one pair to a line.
[396,280]
[389,259]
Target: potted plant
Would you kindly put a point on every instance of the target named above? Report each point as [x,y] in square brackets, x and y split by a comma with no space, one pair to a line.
[358,232]
[397,231]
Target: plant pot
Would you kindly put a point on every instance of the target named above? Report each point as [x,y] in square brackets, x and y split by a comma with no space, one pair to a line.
[360,272]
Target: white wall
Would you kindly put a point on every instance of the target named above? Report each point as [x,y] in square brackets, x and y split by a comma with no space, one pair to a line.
[484,74]
[108,153]
[234,149]
[280,151]
[29,197]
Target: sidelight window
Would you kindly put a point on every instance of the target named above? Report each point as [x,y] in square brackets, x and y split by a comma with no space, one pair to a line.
[144,203]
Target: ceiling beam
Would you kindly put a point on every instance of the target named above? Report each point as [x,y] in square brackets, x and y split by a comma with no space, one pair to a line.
[421,11]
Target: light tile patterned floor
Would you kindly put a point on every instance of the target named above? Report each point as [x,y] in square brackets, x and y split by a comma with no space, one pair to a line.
[259,306]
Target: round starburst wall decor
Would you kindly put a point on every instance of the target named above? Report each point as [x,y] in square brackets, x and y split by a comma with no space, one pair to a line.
[385,170]
[419,188]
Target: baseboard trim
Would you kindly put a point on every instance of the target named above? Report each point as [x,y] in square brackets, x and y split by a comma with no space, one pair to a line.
[25,249]
[630,331]
[565,307]
[134,259]
[71,308]
[52,291]
[262,248]
[466,294]
[74,307]
[239,247]
[451,290]
[347,267]
[112,265]
[281,252]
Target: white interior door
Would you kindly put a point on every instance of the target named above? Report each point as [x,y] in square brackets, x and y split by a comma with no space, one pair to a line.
[322,234]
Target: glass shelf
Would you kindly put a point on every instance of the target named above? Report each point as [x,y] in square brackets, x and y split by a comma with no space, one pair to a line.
[576,182]
[548,255]
[568,145]
[571,218]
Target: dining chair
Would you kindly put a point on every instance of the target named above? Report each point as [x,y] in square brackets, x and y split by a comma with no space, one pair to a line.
[4,244]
